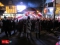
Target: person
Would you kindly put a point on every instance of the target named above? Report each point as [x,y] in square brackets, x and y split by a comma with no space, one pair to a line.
[13,25]
[58,43]
[37,28]
[20,27]
[33,25]
[6,26]
[28,27]
[24,27]
[0,26]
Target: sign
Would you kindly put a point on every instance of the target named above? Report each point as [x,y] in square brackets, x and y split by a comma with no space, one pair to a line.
[5,41]
[50,10]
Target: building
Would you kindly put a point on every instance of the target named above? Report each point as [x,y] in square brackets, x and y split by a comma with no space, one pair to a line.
[2,8]
[57,9]
[49,6]
[9,10]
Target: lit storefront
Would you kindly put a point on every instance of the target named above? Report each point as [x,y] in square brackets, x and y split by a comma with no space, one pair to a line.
[2,8]
[57,9]
[13,10]
[57,13]
[16,11]
[10,11]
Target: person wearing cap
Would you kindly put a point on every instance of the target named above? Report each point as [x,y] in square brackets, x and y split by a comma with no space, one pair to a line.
[6,26]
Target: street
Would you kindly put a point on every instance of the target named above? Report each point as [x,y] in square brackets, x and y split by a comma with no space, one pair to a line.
[45,39]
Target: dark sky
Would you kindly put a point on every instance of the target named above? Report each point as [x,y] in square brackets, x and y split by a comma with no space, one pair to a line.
[33,3]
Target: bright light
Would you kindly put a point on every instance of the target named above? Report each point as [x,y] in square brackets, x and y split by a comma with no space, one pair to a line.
[5,12]
[37,11]
[51,9]
[20,8]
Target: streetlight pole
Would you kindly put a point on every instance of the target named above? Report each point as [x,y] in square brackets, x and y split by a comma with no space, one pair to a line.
[54,5]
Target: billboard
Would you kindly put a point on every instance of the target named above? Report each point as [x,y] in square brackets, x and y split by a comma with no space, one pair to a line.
[20,8]
[50,10]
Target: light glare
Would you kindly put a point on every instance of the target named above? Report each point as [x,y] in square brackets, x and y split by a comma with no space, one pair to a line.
[20,8]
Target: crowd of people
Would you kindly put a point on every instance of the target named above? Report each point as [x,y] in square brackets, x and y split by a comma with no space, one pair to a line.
[27,26]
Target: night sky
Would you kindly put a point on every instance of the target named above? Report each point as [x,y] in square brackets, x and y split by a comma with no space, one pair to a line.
[32,3]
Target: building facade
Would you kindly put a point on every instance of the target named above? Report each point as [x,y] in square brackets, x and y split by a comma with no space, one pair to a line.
[9,10]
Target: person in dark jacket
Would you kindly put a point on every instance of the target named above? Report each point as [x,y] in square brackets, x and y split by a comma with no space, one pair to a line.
[7,26]
[13,25]
[28,30]
[24,27]
[20,27]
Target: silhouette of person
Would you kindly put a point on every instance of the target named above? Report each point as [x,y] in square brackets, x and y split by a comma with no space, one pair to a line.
[28,27]
[6,26]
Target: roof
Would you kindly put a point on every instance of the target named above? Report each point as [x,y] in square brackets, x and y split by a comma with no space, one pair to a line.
[1,4]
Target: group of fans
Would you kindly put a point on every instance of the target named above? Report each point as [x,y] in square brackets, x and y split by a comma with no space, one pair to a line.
[27,26]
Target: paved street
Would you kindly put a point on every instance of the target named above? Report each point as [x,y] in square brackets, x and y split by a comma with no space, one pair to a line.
[45,39]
